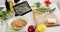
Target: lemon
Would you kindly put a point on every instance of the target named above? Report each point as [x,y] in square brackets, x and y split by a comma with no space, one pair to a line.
[41,28]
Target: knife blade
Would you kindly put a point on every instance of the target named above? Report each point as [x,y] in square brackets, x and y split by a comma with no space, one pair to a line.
[52,10]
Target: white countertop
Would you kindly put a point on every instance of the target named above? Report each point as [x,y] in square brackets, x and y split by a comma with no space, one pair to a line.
[53,29]
[49,29]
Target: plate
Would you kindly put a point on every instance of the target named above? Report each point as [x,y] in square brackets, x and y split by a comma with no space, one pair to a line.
[28,17]
[14,18]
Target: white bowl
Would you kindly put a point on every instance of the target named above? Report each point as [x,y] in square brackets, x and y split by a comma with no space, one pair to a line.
[14,18]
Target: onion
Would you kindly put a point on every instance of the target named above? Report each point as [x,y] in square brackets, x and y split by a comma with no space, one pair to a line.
[31,28]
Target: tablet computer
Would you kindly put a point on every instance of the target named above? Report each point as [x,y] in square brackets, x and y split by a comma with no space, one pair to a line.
[22,8]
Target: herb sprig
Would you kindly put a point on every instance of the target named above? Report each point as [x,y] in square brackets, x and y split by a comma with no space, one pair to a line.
[38,7]
[4,14]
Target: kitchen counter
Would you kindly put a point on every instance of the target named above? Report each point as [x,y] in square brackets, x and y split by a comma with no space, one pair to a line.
[49,29]
[53,29]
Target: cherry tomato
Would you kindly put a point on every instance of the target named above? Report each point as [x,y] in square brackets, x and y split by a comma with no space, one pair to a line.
[47,2]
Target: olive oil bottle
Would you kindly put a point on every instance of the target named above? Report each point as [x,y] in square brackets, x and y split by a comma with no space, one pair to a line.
[7,5]
[11,6]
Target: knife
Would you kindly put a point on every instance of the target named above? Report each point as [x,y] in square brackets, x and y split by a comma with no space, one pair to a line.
[52,10]
[47,13]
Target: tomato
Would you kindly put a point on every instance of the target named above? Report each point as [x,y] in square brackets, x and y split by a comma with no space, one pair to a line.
[47,2]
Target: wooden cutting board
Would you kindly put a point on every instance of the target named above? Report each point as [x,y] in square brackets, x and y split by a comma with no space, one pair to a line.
[39,20]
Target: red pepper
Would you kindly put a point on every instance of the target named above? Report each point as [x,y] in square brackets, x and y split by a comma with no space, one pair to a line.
[47,2]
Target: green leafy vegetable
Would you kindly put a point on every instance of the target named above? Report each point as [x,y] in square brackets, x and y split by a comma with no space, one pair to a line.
[37,4]
[13,30]
[3,15]
[41,9]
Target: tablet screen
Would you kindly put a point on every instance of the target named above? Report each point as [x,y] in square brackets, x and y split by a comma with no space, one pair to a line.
[22,8]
